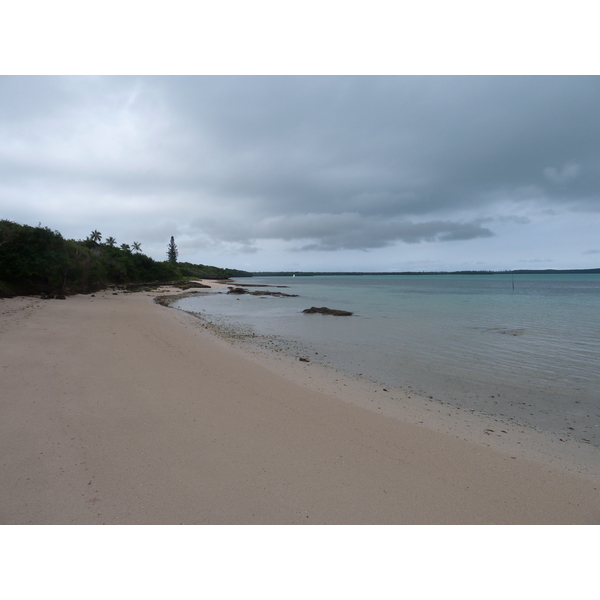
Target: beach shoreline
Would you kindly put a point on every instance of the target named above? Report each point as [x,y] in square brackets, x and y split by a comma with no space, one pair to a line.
[119,410]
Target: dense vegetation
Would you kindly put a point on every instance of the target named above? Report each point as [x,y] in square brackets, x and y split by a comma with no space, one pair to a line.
[36,260]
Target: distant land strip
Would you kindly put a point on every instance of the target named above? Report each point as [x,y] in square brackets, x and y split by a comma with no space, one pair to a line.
[341,273]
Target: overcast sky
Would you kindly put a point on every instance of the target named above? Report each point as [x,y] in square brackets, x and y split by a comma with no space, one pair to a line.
[312,173]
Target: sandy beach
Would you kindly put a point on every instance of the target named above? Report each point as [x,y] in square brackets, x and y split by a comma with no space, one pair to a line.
[116,410]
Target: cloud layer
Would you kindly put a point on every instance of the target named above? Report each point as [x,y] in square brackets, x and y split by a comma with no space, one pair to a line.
[272,172]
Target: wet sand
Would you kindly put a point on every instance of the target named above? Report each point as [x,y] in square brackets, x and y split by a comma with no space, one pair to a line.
[116,410]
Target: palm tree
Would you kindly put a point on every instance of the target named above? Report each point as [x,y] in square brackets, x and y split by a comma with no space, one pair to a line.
[126,247]
[137,246]
[95,236]
[110,241]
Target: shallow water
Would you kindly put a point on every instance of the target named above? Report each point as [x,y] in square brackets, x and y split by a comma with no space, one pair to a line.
[529,354]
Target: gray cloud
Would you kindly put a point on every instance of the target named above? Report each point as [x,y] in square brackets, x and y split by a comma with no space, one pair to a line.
[558,176]
[348,231]
[425,143]
[314,163]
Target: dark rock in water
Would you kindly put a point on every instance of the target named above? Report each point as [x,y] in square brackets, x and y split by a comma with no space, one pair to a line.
[276,294]
[326,311]
[303,359]
[240,290]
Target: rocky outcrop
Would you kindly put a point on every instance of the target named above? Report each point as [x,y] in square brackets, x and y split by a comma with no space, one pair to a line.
[154,285]
[327,311]
[191,285]
[240,290]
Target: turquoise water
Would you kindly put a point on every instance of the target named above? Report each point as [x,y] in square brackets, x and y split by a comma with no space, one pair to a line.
[529,354]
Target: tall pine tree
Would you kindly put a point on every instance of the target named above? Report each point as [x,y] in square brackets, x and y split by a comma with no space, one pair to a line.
[172,251]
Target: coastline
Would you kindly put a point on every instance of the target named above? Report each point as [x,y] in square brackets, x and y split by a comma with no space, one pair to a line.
[119,410]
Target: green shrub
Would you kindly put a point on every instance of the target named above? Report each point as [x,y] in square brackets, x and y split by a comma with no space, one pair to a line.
[39,260]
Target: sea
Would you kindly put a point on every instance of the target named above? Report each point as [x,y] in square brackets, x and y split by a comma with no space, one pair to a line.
[524,348]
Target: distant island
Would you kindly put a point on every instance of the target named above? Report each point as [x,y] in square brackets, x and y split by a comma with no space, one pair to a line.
[356,273]
[37,260]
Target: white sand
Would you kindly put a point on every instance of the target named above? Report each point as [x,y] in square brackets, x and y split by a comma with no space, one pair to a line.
[117,410]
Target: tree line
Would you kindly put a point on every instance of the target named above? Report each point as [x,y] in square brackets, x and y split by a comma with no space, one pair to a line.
[36,260]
